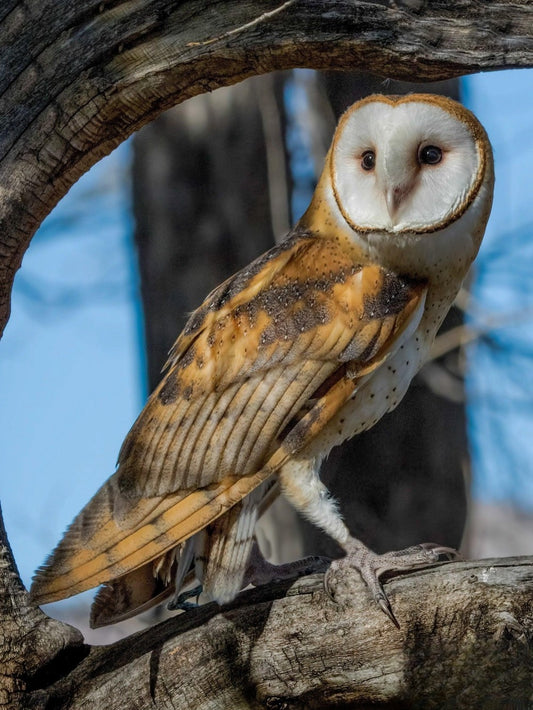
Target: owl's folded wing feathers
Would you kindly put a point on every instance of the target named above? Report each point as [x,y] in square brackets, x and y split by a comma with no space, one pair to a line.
[258,371]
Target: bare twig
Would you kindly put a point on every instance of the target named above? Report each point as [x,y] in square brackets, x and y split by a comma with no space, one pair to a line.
[467,333]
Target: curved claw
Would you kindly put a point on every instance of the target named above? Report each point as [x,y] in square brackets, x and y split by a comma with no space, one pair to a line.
[174,605]
[385,606]
[180,601]
[327,588]
[449,552]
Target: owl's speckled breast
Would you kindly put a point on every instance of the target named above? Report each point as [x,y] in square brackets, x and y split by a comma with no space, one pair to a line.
[379,393]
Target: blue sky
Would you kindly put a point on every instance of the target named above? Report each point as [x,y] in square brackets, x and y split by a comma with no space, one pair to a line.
[500,379]
[71,362]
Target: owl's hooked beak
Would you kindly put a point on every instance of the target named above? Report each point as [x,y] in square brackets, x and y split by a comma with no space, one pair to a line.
[395,195]
[397,176]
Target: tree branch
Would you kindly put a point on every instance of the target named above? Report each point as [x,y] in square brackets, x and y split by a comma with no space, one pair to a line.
[31,644]
[465,642]
[78,77]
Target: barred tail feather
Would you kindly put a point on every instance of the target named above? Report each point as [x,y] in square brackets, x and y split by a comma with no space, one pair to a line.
[229,548]
[130,595]
[96,549]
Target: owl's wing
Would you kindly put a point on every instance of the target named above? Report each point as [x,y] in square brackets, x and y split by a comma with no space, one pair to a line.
[149,585]
[260,368]
[251,357]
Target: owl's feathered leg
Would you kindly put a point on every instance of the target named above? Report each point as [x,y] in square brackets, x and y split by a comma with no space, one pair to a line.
[302,486]
[222,554]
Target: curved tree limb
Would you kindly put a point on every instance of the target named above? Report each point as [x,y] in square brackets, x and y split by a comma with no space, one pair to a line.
[466,641]
[30,642]
[79,76]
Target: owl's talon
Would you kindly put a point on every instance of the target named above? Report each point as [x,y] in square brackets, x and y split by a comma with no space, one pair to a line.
[181,606]
[440,551]
[386,607]
[180,600]
[371,566]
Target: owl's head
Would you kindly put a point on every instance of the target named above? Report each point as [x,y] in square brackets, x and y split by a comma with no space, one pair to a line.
[410,164]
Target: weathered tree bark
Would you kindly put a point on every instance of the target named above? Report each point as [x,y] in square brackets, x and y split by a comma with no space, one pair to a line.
[32,646]
[464,642]
[77,78]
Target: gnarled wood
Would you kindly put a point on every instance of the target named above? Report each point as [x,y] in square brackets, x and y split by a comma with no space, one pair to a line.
[31,644]
[465,642]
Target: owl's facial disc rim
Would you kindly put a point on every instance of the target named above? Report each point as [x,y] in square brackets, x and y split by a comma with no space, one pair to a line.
[451,107]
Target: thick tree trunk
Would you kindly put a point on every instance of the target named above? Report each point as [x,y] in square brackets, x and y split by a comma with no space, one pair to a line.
[77,78]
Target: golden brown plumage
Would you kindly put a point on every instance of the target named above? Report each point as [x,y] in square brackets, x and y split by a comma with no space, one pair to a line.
[248,383]
[282,361]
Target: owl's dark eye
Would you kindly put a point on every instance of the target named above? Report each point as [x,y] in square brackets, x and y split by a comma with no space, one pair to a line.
[430,155]
[368,160]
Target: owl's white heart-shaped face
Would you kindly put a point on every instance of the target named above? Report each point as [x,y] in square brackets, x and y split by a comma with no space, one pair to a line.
[406,165]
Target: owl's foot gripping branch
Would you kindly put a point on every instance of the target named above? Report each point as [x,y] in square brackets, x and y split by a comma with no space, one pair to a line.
[371,566]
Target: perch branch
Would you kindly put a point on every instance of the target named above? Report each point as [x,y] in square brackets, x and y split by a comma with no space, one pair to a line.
[466,640]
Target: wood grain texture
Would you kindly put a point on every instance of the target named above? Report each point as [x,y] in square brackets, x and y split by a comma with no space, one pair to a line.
[30,641]
[79,76]
[465,642]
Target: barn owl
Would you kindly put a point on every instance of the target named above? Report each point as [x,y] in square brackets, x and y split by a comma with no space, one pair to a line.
[309,345]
